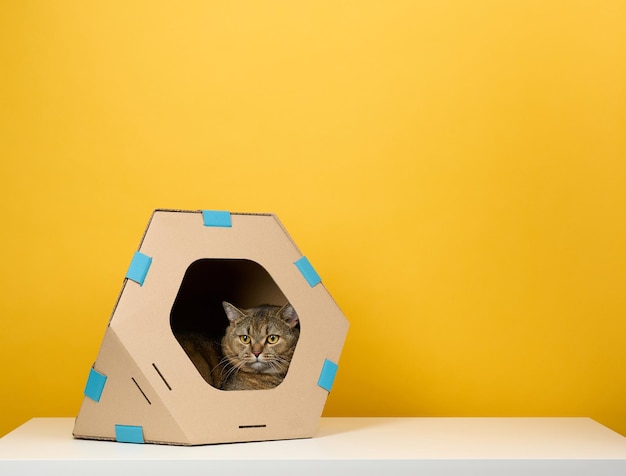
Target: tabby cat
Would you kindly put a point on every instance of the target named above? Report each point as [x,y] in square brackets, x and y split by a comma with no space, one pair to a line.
[258,346]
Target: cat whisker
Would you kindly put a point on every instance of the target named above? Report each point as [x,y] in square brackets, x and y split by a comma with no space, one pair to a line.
[222,363]
[234,368]
[228,367]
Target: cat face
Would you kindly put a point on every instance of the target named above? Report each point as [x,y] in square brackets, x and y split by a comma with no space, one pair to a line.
[260,340]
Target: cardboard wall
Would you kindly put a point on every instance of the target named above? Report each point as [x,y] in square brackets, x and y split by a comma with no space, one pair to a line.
[454,170]
[187,264]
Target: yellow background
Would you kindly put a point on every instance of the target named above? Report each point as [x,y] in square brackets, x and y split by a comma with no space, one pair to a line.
[455,171]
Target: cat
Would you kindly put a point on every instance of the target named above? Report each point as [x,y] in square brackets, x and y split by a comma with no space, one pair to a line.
[258,346]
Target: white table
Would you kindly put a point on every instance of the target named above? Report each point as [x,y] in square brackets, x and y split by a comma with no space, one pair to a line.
[360,446]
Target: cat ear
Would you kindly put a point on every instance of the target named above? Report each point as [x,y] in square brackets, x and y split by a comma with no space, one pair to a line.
[289,315]
[232,312]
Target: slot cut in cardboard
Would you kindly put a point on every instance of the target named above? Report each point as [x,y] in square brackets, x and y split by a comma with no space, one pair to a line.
[188,263]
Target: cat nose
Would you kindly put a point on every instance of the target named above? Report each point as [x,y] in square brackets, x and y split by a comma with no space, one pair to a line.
[256,353]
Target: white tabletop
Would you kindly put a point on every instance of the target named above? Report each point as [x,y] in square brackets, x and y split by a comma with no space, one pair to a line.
[445,446]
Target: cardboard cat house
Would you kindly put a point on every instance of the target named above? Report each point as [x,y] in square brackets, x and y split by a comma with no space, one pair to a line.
[143,388]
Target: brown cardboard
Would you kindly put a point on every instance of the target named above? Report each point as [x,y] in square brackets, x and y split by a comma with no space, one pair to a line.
[150,381]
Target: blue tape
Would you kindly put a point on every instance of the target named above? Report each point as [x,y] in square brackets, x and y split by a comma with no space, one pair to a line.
[308,272]
[327,376]
[217,218]
[129,434]
[95,385]
[139,267]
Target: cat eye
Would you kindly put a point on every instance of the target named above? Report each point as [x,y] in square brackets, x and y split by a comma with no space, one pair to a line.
[244,339]
[272,339]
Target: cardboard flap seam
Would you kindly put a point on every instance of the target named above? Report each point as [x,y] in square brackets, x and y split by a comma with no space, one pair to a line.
[139,266]
[129,434]
[306,268]
[217,218]
[327,375]
[95,385]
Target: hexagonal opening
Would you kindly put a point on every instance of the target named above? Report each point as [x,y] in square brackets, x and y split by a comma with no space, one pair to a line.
[197,318]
